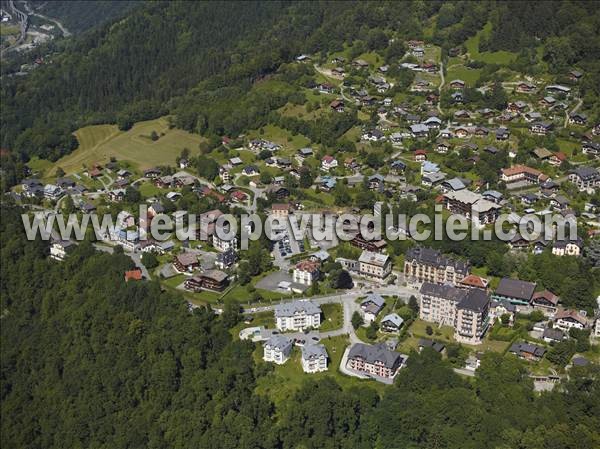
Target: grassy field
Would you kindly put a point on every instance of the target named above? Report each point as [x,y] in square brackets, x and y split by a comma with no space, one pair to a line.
[8,30]
[496,57]
[98,143]
[470,76]
[334,317]
[286,379]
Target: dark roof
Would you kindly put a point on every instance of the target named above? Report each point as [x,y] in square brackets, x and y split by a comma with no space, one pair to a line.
[426,343]
[515,288]
[442,291]
[476,299]
[372,354]
[518,348]
[432,257]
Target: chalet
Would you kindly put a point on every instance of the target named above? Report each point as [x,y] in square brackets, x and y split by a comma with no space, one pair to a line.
[328,162]
[546,301]
[567,248]
[338,60]
[575,75]
[164,181]
[239,197]
[457,97]
[577,118]
[376,182]
[52,192]
[568,319]
[326,88]
[591,148]
[371,306]
[418,52]
[515,291]
[419,130]
[587,179]
[551,335]
[367,100]
[338,71]
[532,116]
[60,249]
[453,185]
[277,349]
[522,173]
[186,263]
[442,147]
[116,195]
[473,281]
[529,199]
[412,118]
[433,123]
[472,205]
[391,323]
[337,105]
[372,245]
[360,64]
[559,89]
[457,84]
[398,166]
[462,132]
[486,112]
[493,195]
[502,134]
[432,179]
[427,343]
[373,135]
[420,155]
[517,106]
[65,183]
[559,202]
[214,280]
[376,361]
[226,259]
[527,351]
[387,102]
[548,101]
[525,87]
[481,131]
[557,159]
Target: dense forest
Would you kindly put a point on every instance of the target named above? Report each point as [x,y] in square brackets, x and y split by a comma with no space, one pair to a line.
[88,360]
[199,61]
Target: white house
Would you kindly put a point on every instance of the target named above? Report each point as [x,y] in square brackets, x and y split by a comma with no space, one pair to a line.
[567,319]
[277,349]
[314,358]
[297,315]
[306,271]
[223,245]
[371,306]
[328,163]
[60,249]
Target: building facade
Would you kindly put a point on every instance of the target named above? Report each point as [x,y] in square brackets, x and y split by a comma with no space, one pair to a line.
[428,265]
[297,315]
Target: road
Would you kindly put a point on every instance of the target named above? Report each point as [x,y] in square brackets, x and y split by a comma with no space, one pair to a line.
[23,24]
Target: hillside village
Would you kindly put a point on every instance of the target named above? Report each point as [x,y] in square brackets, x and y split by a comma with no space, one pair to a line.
[409,135]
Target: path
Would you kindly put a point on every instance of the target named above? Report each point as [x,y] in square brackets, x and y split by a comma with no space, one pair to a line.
[567,113]
[442,82]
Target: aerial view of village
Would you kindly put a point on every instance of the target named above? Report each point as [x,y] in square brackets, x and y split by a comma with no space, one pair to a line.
[133,112]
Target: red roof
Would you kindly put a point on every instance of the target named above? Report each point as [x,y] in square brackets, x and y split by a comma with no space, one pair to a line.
[239,195]
[547,295]
[560,156]
[135,275]
[419,152]
[473,280]
[328,158]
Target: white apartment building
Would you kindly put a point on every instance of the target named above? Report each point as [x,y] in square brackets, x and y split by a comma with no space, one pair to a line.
[314,358]
[297,315]
[277,349]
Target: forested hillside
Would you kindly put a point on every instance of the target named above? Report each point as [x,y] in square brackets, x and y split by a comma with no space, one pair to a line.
[81,15]
[147,64]
[91,361]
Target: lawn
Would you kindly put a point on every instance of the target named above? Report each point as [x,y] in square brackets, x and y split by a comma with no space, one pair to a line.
[497,57]
[333,317]
[97,143]
[286,379]
[469,76]
[281,136]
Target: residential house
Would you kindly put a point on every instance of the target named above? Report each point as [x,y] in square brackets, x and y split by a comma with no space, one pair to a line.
[556,159]
[186,263]
[570,319]
[472,205]
[577,118]
[567,247]
[587,179]
[277,349]
[60,249]
[541,128]
[306,272]
[214,280]
[527,351]
[420,155]
[522,173]
[391,323]
[545,301]
[371,306]
[297,315]
[374,265]
[551,335]
[328,162]
[337,105]
[226,259]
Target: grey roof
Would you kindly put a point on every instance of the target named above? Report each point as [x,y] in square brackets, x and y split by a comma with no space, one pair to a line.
[375,353]
[504,303]
[472,299]
[432,257]
[419,128]
[586,172]
[580,361]
[554,334]
[375,299]
[427,343]
[394,318]
[515,288]
[313,351]
[455,184]
[280,342]
[518,348]
[295,307]
[476,300]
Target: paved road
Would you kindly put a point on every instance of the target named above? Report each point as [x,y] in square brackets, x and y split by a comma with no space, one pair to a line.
[575,109]
[442,82]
